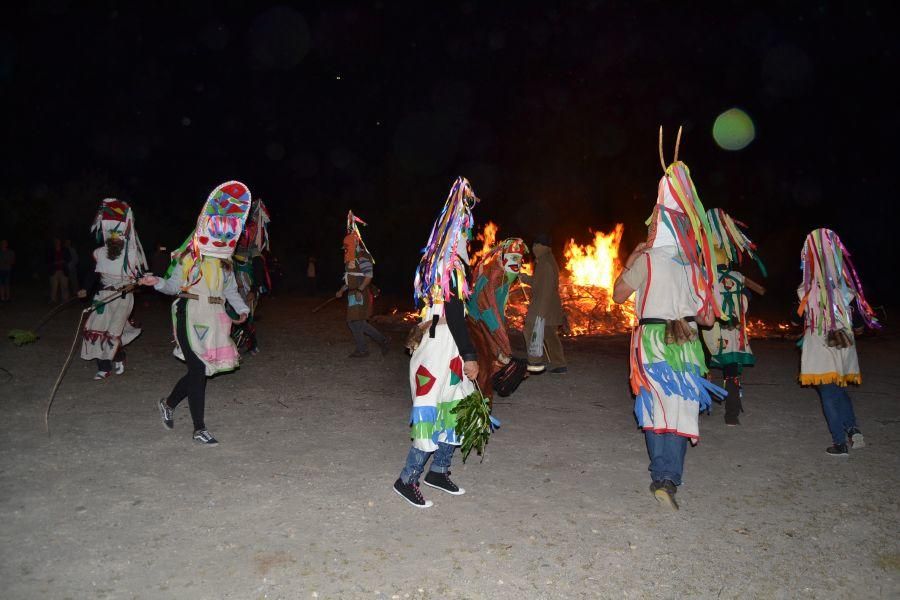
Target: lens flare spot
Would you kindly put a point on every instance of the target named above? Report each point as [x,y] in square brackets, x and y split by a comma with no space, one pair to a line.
[733,129]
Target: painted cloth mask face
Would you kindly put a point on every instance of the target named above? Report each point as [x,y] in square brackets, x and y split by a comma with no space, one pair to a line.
[222,220]
[351,246]
[512,262]
[114,226]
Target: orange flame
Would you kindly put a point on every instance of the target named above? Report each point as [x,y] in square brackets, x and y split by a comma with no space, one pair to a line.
[587,295]
[487,237]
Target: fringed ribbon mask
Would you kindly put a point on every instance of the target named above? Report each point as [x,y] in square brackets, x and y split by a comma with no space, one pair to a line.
[114,226]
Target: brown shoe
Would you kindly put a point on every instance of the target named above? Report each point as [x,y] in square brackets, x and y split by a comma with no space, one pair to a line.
[664,492]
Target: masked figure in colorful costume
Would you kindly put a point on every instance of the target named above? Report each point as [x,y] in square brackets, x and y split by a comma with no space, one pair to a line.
[119,262]
[829,362]
[675,284]
[727,341]
[492,281]
[444,363]
[251,273]
[202,276]
[359,269]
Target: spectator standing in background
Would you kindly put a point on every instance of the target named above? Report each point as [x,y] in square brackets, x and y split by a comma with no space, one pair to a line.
[57,262]
[71,265]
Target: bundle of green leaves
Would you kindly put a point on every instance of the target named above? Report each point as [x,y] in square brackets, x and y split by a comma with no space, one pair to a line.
[20,337]
[473,423]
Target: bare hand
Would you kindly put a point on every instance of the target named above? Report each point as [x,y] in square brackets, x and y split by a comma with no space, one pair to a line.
[640,248]
[339,293]
[148,280]
[82,293]
[470,369]
[241,318]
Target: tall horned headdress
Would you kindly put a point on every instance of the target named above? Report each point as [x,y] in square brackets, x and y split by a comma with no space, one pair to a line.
[680,220]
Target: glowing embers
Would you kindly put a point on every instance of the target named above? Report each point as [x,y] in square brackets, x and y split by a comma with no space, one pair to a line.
[759,329]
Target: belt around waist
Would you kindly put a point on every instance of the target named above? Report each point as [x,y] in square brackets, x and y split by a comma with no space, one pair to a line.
[211,299]
[654,321]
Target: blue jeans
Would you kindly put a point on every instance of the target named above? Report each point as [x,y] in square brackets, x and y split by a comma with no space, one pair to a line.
[666,452]
[838,411]
[416,459]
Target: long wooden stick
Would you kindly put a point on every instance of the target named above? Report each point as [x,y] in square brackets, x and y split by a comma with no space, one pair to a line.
[755,287]
[65,368]
[324,304]
[119,293]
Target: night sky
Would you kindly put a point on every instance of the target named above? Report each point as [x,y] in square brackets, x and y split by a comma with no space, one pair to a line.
[550,109]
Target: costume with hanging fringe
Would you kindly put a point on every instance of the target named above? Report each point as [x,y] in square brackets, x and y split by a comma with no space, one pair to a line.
[437,381]
[727,340]
[830,287]
[358,265]
[492,279]
[250,272]
[108,328]
[674,282]
[201,274]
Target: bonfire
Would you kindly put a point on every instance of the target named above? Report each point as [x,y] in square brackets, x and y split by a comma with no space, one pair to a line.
[585,287]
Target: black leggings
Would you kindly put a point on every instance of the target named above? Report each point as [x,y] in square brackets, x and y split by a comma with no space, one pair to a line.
[193,384]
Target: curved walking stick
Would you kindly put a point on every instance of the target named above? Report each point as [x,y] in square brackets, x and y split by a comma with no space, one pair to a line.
[119,293]
[65,368]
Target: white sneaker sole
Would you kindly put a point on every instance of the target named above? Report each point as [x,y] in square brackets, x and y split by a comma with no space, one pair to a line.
[428,503]
[459,493]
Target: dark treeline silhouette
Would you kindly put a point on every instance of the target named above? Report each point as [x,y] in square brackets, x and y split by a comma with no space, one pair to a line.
[551,112]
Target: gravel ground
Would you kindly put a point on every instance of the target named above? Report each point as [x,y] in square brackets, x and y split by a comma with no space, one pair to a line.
[296,501]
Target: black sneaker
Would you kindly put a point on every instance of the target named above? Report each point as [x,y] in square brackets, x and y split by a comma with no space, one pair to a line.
[855,439]
[166,414]
[385,345]
[664,492]
[837,450]
[559,371]
[410,492]
[205,437]
[442,482]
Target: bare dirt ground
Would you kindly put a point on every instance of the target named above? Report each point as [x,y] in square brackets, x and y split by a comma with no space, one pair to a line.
[296,501]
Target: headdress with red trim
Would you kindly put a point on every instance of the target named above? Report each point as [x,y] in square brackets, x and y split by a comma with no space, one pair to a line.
[218,229]
[115,220]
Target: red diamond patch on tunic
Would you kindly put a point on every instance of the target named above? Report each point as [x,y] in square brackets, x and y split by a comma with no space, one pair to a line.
[456,372]
[424,381]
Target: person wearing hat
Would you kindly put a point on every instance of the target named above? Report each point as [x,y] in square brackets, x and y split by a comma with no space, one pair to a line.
[545,311]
